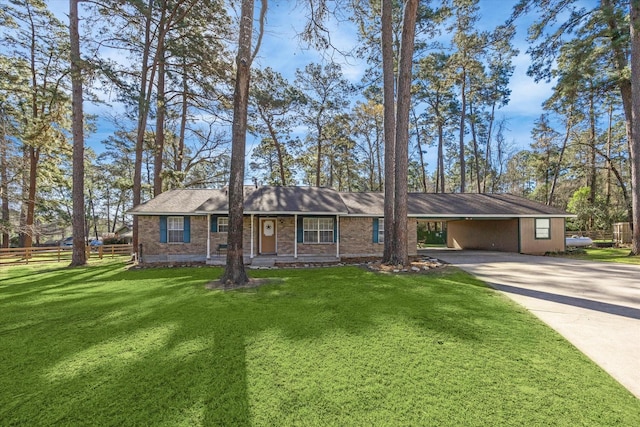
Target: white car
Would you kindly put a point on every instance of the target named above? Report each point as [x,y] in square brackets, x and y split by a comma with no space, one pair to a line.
[578,241]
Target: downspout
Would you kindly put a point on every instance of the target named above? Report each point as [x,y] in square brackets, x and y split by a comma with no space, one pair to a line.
[295,236]
[208,237]
[252,233]
[338,236]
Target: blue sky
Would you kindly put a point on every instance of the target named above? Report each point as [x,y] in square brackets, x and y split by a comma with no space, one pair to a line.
[282,51]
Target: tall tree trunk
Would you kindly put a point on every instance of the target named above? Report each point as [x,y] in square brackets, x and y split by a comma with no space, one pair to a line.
[143,110]
[440,160]
[29,228]
[160,105]
[620,62]
[476,154]
[32,155]
[78,256]
[4,185]
[593,174]
[234,273]
[378,160]
[635,133]
[487,155]
[463,109]
[405,78]
[389,128]
[318,152]
[24,178]
[609,165]
[183,120]
[440,169]
[423,173]
[556,172]
[278,147]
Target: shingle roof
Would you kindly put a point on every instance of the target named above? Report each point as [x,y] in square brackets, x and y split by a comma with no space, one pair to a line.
[317,200]
[175,202]
[260,200]
[449,205]
[478,205]
[282,200]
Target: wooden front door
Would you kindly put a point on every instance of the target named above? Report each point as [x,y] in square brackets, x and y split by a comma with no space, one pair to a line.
[267,235]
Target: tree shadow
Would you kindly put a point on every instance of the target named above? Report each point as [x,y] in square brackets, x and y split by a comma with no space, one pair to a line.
[618,310]
[154,347]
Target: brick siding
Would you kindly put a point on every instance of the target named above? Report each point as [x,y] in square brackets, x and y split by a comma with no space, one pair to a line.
[356,239]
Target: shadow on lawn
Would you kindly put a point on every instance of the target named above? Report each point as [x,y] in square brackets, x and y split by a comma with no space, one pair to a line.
[108,346]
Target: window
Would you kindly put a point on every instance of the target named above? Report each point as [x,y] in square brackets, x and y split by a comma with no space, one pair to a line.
[175,229]
[543,228]
[223,224]
[380,230]
[317,230]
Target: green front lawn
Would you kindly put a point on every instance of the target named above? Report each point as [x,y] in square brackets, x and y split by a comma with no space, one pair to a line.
[620,255]
[102,345]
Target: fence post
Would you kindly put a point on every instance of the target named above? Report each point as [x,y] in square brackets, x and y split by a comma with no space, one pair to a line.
[100,251]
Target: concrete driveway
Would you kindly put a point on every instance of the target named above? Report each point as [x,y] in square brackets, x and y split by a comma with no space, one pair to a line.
[595,306]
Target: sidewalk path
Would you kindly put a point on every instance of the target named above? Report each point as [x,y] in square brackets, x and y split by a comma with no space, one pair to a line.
[595,306]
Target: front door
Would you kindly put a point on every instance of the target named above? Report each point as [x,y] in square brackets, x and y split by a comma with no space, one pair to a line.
[267,235]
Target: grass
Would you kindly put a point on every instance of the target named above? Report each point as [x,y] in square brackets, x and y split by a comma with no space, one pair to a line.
[619,255]
[102,345]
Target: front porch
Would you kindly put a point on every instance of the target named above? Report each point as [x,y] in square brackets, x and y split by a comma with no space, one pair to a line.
[273,260]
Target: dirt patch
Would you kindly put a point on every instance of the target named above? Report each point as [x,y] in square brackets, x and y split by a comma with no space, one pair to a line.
[253,283]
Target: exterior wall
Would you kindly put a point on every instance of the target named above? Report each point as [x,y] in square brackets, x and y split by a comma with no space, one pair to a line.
[222,238]
[323,249]
[154,251]
[530,245]
[286,230]
[494,235]
[356,237]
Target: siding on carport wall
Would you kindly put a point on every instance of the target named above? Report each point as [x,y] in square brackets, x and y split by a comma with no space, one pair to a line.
[494,235]
[530,245]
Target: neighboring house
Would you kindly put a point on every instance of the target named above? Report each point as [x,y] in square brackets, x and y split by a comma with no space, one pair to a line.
[125,232]
[309,223]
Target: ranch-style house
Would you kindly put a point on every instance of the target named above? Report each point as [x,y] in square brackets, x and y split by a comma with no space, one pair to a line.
[295,224]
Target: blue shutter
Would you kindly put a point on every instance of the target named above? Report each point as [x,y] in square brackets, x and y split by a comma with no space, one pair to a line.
[335,230]
[376,229]
[187,229]
[214,224]
[300,230]
[163,229]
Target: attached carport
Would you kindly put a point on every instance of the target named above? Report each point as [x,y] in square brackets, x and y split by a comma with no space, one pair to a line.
[497,222]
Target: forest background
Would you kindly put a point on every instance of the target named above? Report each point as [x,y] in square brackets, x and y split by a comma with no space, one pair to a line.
[159,74]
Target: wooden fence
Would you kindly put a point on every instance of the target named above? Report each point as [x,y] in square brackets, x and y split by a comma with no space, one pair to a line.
[58,254]
[593,234]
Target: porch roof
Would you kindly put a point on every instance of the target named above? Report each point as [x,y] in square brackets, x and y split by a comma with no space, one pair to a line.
[280,200]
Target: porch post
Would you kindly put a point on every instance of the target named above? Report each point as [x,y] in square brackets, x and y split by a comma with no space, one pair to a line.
[208,237]
[295,236]
[252,236]
[337,236]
